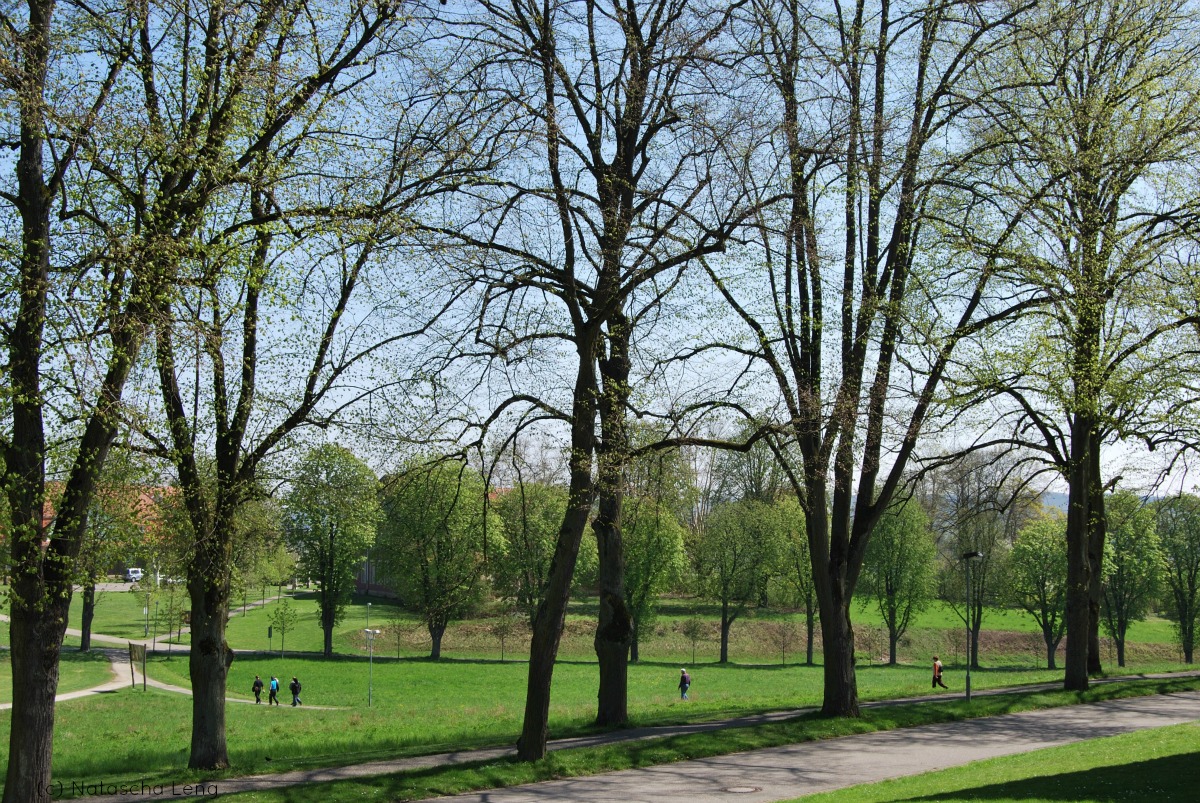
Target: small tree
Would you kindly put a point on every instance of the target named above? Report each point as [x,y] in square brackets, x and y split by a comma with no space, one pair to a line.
[395,628]
[1037,578]
[1179,534]
[431,542]
[503,628]
[899,569]
[733,545]
[782,636]
[694,630]
[332,513]
[1133,566]
[173,608]
[283,619]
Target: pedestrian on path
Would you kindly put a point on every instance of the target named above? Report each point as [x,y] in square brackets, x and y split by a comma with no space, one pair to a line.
[937,674]
[257,689]
[685,682]
[294,688]
[273,697]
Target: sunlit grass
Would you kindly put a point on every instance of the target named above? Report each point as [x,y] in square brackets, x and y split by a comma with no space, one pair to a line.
[77,670]
[1160,764]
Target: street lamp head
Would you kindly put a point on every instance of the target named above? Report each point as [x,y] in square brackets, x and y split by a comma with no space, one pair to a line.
[976,555]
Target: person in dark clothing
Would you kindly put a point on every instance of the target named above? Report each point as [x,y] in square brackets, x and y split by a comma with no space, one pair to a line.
[273,697]
[685,682]
[937,674]
[294,688]
[257,689]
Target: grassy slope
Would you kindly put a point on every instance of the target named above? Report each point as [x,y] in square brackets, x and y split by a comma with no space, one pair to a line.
[572,763]
[76,671]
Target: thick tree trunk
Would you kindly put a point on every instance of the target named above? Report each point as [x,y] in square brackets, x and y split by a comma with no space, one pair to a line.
[892,648]
[614,629]
[726,622]
[35,643]
[436,632]
[211,657]
[552,611]
[1079,567]
[86,616]
[810,628]
[633,644]
[1097,531]
[1120,642]
[975,644]
[841,684]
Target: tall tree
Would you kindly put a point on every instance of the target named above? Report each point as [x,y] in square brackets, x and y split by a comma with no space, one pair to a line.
[735,542]
[284,216]
[868,112]
[899,569]
[626,157]
[1133,566]
[332,511]
[73,323]
[1037,578]
[431,542]
[1179,533]
[1101,113]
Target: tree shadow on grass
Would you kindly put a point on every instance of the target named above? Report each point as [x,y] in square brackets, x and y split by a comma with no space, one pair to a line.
[1169,778]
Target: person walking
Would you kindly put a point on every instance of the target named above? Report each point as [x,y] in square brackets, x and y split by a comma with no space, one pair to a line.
[273,696]
[257,689]
[294,688]
[937,674]
[685,682]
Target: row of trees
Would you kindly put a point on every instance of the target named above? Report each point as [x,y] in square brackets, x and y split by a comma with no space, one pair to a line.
[481,221]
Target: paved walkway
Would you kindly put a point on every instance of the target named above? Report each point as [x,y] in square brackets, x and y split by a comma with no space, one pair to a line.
[781,773]
[770,774]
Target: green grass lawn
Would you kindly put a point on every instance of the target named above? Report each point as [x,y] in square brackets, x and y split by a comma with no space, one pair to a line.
[77,670]
[1162,764]
[576,762]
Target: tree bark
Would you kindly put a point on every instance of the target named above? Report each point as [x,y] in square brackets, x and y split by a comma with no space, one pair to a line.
[614,628]
[552,611]
[35,644]
[841,684]
[436,632]
[726,622]
[87,614]
[1097,531]
[1079,571]
[208,666]
[810,627]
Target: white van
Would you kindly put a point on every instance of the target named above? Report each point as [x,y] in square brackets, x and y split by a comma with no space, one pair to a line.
[133,575]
